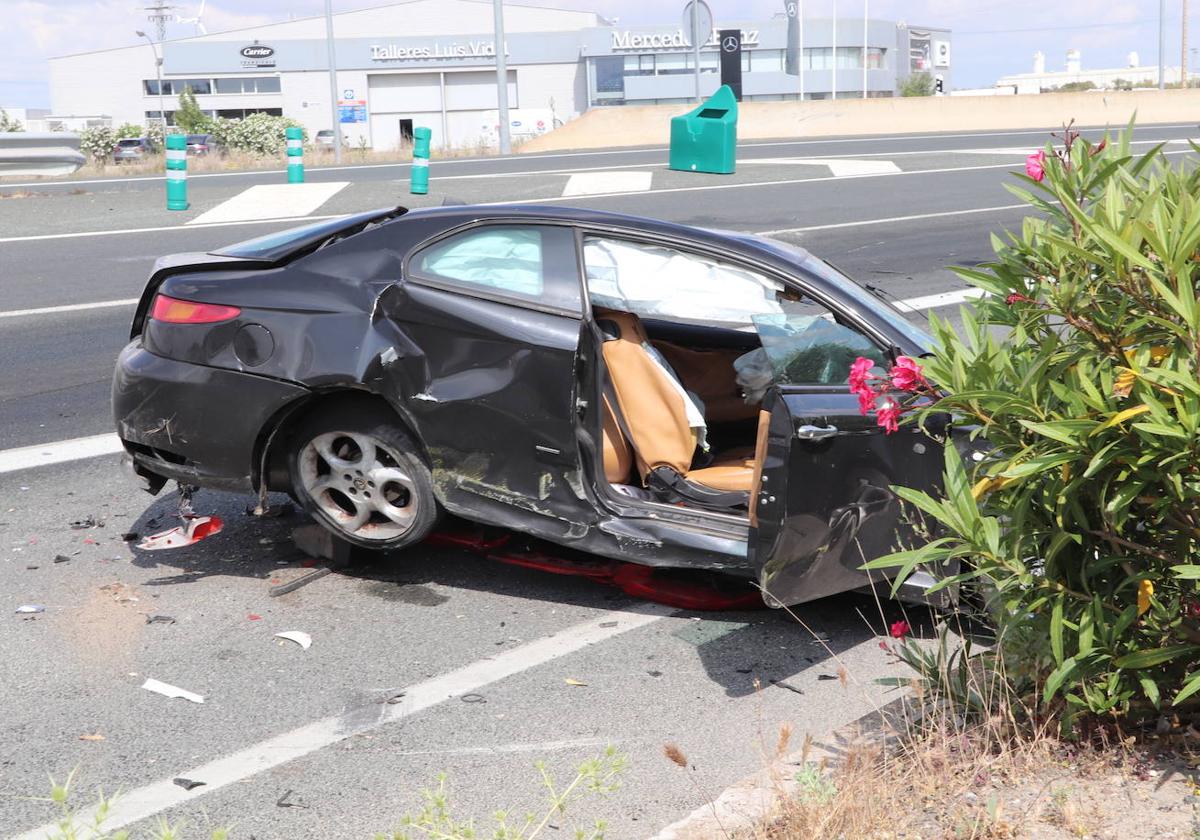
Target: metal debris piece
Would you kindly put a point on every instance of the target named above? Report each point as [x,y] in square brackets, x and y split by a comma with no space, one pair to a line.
[391,699]
[285,802]
[303,580]
[171,691]
[30,609]
[298,636]
[93,737]
[186,491]
[61,558]
[89,521]
[31,567]
[193,530]
[130,536]
[473,698]
[571,681]
[188,784]
[159,619]
[267,511]
[788,686]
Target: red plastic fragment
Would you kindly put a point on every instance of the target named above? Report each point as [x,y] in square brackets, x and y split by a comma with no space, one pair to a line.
[254,617]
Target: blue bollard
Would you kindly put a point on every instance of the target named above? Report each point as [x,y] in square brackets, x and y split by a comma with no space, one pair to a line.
[176,154]
[419,177]
[295,155]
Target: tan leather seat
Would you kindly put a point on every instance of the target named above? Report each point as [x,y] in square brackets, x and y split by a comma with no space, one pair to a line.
[618,457]
[654,415]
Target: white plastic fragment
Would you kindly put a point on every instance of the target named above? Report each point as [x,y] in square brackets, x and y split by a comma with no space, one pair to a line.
[29,609]
[171,691]
[298,636]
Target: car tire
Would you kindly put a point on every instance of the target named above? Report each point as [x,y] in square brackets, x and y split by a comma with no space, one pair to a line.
[363,478]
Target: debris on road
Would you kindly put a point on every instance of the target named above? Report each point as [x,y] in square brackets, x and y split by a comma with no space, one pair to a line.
[61,558]
[30,609]
[271,511]
[159,619]
[285,801]
[473,698]
[254,617]
[571,681]
[298,636]
[89,521]
[131,536]
[171,691]
[788,686]
[93,737]
[303,580]
[188,784]
[194,529]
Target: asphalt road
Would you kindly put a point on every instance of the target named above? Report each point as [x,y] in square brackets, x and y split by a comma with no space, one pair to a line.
[433,619]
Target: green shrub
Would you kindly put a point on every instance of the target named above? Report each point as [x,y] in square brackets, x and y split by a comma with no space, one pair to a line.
[1081,371]
[260,134]
[188,115]
[918,84]
[98,143]
[8,123]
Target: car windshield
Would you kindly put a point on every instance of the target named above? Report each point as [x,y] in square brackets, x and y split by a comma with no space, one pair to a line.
[129,143]
[884,309]
[275,246]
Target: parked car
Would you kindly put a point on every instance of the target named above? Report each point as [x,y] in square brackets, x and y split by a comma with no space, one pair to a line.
[130,149]
[201,144]
[637,389]
[324,139]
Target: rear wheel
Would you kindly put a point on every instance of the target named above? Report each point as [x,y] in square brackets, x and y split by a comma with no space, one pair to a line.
[362,478]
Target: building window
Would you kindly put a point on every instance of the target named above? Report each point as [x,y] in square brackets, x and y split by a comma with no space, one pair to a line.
[229,86]
[670,64]
[268,84]
[876,58]
[610,76]
[156,117]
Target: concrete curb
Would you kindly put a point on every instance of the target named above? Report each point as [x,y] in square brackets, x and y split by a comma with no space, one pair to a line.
[754,799]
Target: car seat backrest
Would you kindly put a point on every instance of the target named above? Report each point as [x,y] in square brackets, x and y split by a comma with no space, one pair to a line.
[649,402]
[618,457]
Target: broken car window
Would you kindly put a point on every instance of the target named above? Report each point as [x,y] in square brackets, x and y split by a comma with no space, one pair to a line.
[806,346]
[653,281]
[532,262]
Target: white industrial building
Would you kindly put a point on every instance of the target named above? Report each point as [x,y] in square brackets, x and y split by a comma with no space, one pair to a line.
[1039,79]
[432,63]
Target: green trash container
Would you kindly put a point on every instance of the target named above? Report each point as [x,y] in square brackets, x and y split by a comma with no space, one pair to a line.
[705,140]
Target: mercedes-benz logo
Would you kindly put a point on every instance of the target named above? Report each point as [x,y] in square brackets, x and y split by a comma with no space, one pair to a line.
[730,44]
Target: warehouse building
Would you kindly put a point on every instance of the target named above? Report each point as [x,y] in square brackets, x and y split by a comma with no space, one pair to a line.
[432,63]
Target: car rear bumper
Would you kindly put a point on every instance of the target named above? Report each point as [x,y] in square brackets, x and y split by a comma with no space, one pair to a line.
[186,422]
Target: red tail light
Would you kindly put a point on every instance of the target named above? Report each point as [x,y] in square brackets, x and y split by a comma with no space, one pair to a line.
[171,310]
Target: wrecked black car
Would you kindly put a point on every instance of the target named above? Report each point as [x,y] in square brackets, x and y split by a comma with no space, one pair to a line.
[632,388]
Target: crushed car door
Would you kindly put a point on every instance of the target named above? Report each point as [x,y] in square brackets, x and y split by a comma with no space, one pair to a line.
[494,315]
[823,506]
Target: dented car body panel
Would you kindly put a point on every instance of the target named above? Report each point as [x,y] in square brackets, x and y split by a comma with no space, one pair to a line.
[502,392]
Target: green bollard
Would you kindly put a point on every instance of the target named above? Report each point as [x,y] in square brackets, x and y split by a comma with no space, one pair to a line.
[295,155]
[176,171]
[419,177]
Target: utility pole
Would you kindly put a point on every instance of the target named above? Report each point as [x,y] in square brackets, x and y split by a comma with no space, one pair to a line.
[866,14]
[333,86]
[800,36]
[696,46]
[833,73]
[1183,60]
[162,114]
[501,78]
[1162,22]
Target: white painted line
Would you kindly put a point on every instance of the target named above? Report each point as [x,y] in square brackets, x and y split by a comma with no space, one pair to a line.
[592,183]
[158,796]
[58,452]
[70,307]
[941,299]
[123,231]
[1043,132]
[892,219]
[838,167]
[271,201]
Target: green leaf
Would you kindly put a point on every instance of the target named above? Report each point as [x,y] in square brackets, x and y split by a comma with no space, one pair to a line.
[1189,688]
[1057,677]
[1056,629]
[1155,656]
[1188,571]
[1150,687]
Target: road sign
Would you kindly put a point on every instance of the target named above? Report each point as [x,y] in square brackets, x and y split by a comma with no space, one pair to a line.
[731,60]
[704,22]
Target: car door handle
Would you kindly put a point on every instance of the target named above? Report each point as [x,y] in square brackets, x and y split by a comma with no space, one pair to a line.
[807,432]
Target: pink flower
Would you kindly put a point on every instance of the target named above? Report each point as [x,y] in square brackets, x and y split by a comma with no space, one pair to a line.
[859,373]
[900,629]
[906,375]
[888,416]
[1017,297]
[1035,165]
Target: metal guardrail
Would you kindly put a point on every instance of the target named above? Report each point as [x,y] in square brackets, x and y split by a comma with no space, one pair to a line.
[39,153]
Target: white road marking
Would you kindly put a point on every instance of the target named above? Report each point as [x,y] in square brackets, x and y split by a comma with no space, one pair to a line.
[941,299]
[591,183]
[838,167]
[266,201]
[58,452]
[163,228]
[891,219]
[550,155]
[158,796]
[70,307]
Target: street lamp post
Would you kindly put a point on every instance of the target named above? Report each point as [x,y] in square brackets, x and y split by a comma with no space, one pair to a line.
[1162,17]
[501,78]
[331,54]
[162,113]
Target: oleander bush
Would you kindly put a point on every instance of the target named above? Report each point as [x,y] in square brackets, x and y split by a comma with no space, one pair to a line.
[259,134]
[1080,373]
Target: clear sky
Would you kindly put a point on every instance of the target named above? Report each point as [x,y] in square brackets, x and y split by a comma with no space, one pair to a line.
[991,37]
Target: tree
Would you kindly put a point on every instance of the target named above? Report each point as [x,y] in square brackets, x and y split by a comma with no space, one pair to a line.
[918,84]
[188,116]
[8,123]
